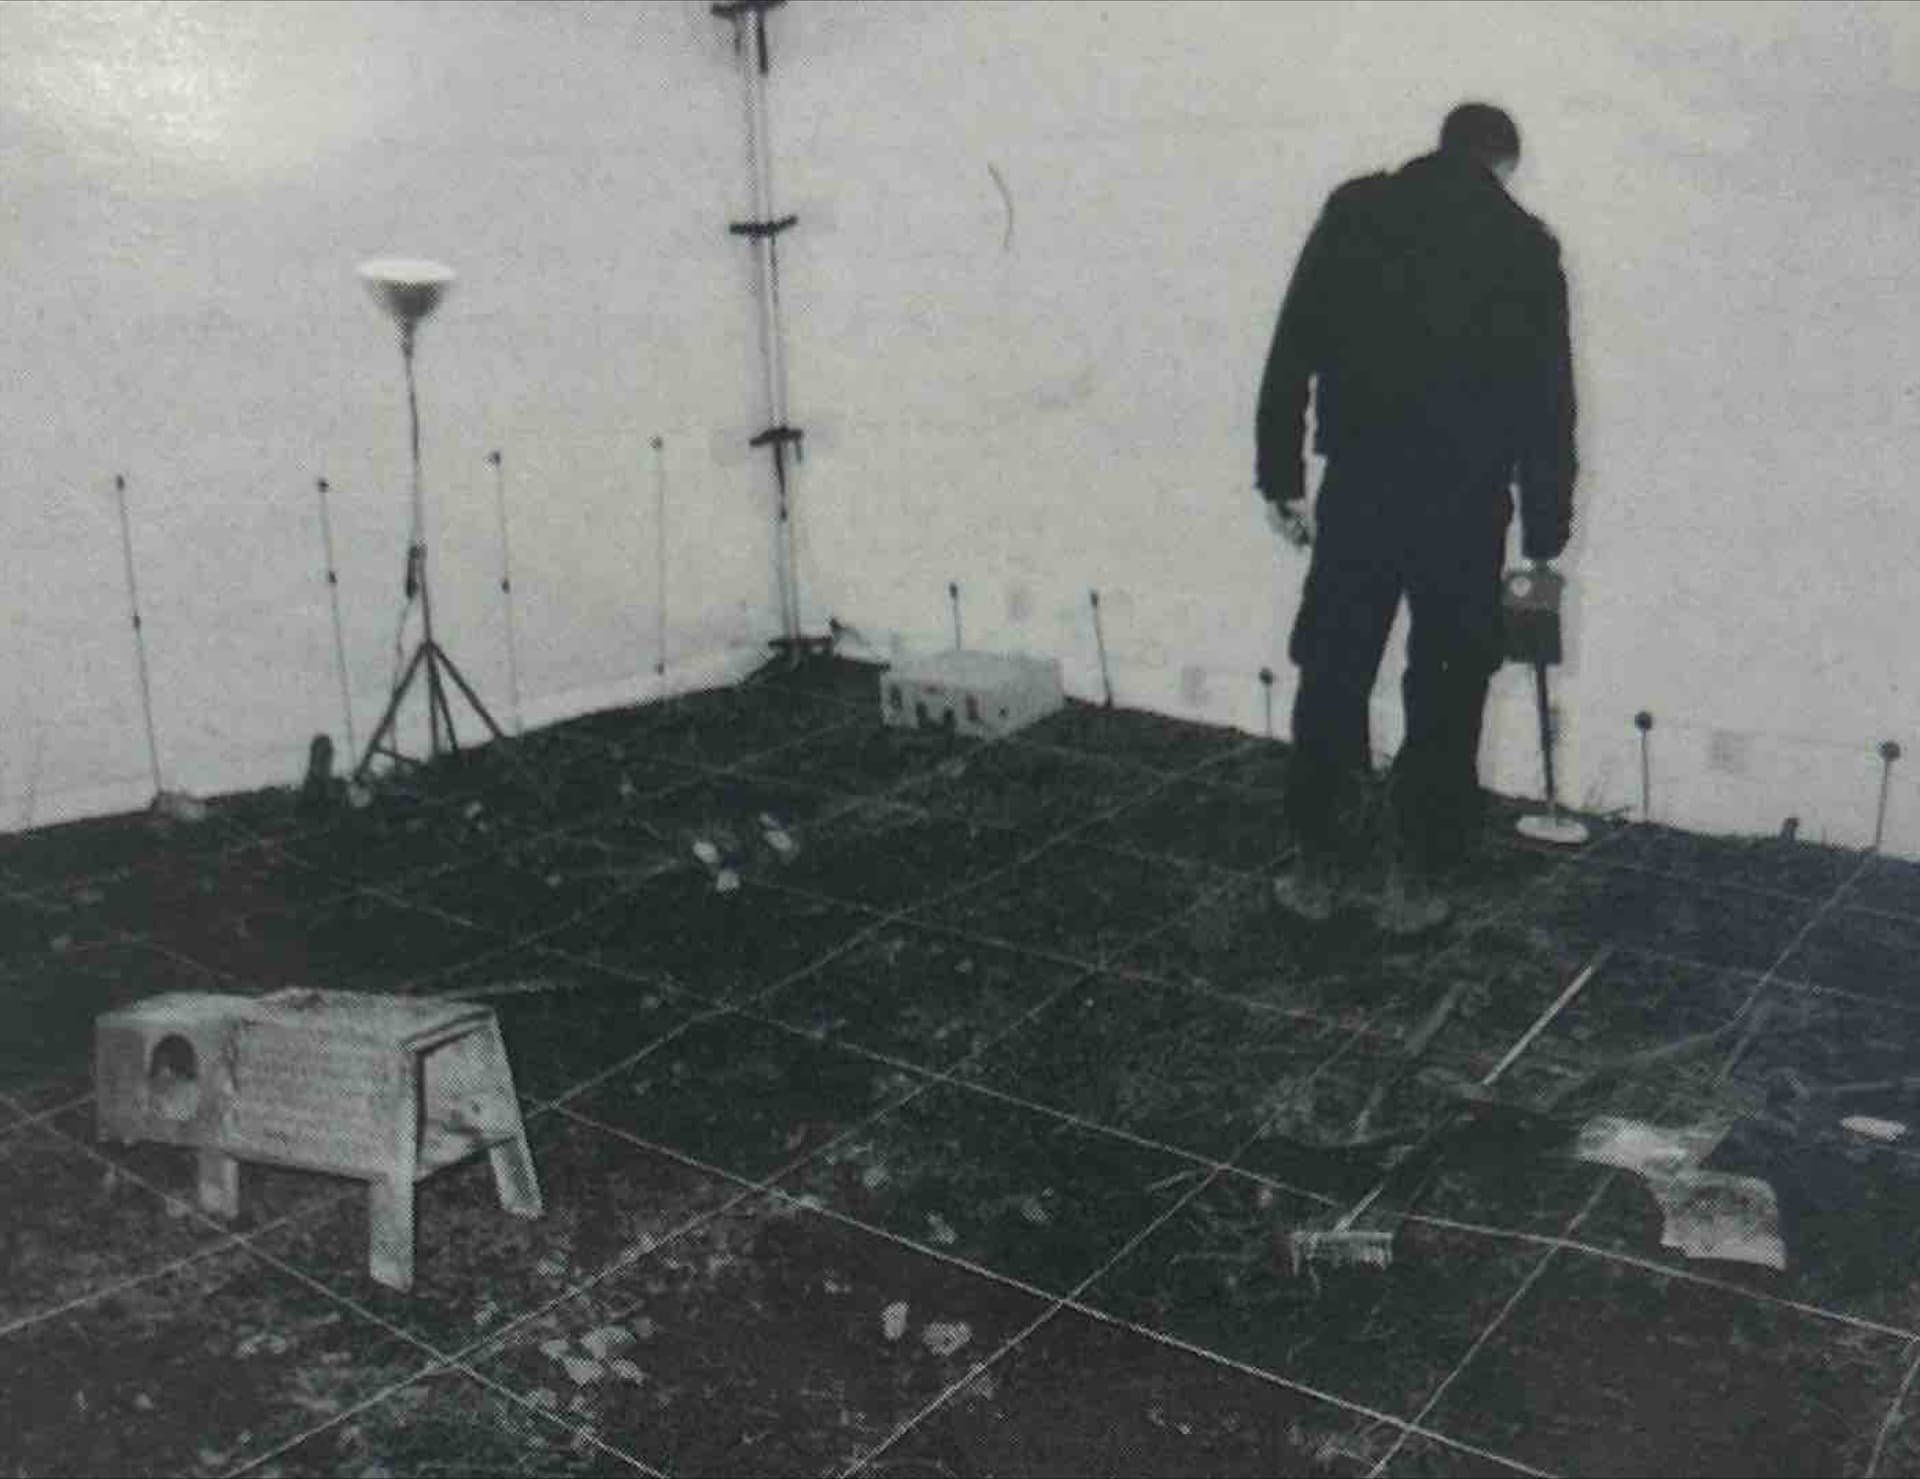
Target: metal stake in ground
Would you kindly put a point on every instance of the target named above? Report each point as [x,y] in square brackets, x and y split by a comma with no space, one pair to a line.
[1889,752]
[660,557]
[1643,721]
[953,598]
[1266,695]
[506,592]
[1100,644]
[139,635]
[333,598]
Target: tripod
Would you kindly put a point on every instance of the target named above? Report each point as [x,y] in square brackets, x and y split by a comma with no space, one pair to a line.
[409,291]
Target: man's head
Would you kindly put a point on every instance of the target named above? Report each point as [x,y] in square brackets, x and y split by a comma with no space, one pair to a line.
[1484,133]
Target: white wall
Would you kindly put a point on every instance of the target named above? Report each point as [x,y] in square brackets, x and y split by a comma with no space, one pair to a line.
[1030,407]
[1070,405]
[188,190]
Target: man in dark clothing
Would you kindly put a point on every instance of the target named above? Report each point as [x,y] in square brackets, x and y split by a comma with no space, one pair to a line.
[1428,312]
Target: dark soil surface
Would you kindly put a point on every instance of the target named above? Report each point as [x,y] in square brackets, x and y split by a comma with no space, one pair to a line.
[955,1118]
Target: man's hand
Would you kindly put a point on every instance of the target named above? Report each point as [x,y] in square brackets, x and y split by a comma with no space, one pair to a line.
[1291,522]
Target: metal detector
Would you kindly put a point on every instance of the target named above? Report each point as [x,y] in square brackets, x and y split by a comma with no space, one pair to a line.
[1530,600]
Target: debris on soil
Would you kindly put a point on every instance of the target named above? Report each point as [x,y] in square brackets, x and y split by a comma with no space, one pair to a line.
[778,838]
[893,1320]
[1873,1128]
[262,1340]
[532,986]
[1710,1214]
[940,1231]
[944,1337]
[1706,1214]
[1631,1145]
[178,806]
[606,1340]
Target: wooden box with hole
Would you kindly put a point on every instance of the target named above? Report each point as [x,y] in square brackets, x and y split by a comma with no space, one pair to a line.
[977,693]
[383,1089]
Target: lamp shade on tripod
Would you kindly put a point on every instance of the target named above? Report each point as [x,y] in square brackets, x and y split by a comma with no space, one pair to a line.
[406,288]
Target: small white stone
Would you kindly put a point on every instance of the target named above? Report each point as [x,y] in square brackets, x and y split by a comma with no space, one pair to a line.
[893,1320]
[944,1337]
[1872,1127]
[606,1340]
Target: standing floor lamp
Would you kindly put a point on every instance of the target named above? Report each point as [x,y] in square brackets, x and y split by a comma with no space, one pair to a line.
[408,291]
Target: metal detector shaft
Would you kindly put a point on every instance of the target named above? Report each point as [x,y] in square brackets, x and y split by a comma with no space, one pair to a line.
[1545,709]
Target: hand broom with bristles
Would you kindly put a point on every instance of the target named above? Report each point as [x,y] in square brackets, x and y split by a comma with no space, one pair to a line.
[1346,1244]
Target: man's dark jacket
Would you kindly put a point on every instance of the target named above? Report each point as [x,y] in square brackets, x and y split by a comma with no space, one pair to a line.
[1433,310]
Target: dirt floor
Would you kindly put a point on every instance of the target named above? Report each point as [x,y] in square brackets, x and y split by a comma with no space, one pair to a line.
[966,1134]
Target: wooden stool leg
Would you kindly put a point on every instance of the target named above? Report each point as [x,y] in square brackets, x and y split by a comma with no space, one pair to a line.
[514,1177]
[513,1174]
[219,1184]
[390,1232]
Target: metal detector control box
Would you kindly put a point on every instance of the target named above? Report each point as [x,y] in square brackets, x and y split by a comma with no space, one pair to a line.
[384,1089]
[977,693]
[1530,606]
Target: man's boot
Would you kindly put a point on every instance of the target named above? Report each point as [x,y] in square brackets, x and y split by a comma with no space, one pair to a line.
[1310,888]
[1410,905]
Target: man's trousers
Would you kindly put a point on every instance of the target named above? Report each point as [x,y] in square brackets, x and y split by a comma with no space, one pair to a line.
[1384,533]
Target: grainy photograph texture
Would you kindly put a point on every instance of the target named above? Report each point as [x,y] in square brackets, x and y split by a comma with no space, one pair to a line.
[901,738]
